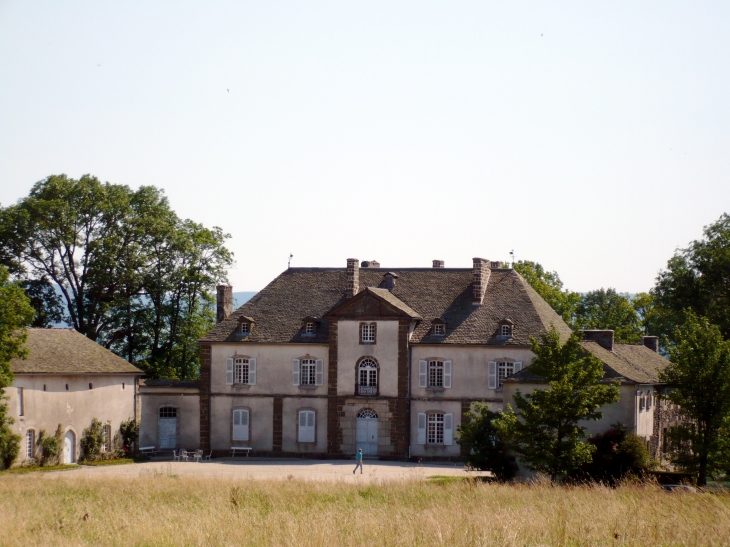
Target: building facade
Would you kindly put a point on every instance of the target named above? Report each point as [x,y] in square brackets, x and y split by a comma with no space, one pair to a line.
[69,380]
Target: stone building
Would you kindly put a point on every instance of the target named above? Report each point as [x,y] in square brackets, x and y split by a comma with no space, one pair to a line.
[324,361]
[68,379]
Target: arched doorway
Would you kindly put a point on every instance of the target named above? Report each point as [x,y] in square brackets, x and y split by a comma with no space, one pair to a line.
[367,432]
[69,447]
[167,427]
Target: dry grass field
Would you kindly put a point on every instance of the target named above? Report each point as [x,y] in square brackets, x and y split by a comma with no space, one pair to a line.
[166,509]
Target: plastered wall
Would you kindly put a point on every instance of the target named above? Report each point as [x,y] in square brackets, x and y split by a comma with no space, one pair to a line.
[261,416]
[350,351]
[188,418]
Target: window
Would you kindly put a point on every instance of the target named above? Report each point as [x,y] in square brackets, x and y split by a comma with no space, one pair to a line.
[90,386]
[107,447]
[506,330]
[367,333]
[66,387]
[434,373]
[436,428]
[306,426]
[21,408]
[499,370]
[44,387]
[308,371]
[245,328]
[642,400]
[168,412]
[439,329]
[367,377]
[241,371]
[30,443]
[309,328]
[240,424]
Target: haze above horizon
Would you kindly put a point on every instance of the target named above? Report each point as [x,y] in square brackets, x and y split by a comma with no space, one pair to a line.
[593,139]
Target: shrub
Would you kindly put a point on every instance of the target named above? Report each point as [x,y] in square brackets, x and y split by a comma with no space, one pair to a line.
[48,448]
[9,441]
[92,441]
[484,448]
[129,432]
[618,454]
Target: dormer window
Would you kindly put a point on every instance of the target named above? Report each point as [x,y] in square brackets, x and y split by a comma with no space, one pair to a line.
[245,326]
[309,328]
[439,329]
[506,330]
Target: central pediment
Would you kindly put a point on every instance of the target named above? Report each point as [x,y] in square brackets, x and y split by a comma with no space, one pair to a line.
[374,302]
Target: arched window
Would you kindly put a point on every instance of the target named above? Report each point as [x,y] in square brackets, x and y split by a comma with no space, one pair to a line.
[367,413]
[367,376]
[30,443]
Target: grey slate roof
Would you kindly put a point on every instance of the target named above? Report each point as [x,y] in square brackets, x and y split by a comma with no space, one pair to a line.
[627,362]
[65,351]
[279,308]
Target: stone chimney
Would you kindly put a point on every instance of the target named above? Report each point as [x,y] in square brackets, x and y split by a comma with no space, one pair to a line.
[224,304]
[353,277]
[603,338]
[480,273]
[651,342]
[438,263]
[370,264]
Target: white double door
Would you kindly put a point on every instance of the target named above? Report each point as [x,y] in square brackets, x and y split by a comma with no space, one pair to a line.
[167,432]
[367,436]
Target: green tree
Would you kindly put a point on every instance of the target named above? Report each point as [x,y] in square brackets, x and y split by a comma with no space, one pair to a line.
[545,431]
[550,287]
[15,314]
[699,378]
[483,445]
[45,301]
[608,309]
[133,276]
[129,432]
[92,441]
[697,278]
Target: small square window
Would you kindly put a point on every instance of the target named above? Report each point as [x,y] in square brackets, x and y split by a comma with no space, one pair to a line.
[367,333]
[439,329]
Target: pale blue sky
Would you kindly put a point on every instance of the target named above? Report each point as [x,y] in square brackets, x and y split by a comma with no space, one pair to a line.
[591,137]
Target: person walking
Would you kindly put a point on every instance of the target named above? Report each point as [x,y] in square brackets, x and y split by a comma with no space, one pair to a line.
[358,459]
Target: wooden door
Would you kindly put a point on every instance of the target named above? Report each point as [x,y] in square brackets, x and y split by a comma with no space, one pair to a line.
[366,436]
[69,447]
[167,433]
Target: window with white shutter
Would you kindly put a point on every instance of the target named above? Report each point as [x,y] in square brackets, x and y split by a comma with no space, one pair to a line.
[252,372]
[240,424]
[447,374]
[229,371]
[422,373]
[295,371]
[306,426]
[492,374]
[421,428]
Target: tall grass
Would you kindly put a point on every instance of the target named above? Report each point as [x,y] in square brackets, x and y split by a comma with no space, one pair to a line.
[169,510]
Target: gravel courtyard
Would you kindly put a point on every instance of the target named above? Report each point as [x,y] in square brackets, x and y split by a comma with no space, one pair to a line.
[252,468]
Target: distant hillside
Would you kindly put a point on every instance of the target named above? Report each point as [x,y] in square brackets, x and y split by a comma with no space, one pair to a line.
[240,298]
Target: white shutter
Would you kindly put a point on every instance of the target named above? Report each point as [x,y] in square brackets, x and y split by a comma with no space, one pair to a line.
[229,371]
[319,373]
[252,372]
[448,429]
[447,373]
[518,366]
[295,371]
[492,374]
[421,428]
[240,425]
[422,374]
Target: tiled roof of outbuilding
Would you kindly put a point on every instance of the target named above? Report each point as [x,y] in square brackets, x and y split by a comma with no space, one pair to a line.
[65,351]
[429,292]
[627,362]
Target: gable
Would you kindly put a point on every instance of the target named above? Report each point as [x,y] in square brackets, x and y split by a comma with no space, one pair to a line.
[367,304]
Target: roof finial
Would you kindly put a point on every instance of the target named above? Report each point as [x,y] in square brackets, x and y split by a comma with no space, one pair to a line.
[288,264]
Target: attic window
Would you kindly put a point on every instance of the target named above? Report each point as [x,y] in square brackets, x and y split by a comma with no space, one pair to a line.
[506,330]
[245,328]
[439,329]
